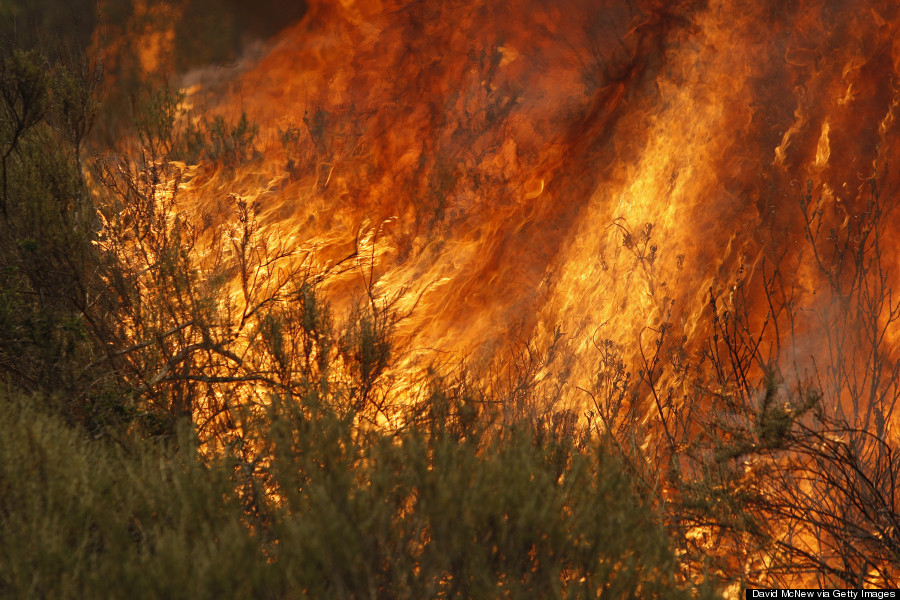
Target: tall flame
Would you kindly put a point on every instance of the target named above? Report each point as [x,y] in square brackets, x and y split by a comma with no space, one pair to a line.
[586,173]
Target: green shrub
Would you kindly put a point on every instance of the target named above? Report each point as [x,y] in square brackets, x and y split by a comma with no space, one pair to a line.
[82,518]
[335,512]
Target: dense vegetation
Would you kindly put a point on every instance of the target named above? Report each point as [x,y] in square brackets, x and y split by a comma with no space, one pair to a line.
[141,457]
[434,511]
[161,436]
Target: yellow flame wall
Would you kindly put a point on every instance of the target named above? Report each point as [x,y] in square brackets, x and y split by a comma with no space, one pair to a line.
[496,163]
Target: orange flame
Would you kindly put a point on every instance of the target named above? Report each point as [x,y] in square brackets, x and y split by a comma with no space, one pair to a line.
[578,173]
[606,189]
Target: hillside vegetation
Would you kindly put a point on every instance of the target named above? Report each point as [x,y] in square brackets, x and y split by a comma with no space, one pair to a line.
[182,418]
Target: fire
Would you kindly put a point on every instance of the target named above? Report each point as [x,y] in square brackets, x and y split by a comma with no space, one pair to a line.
[603,183]
[149,34]
[577,168]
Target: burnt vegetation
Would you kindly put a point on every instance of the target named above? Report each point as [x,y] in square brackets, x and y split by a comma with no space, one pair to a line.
[178,423]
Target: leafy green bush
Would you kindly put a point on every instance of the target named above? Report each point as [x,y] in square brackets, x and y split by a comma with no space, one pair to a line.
[81,518]
[46,226]
[334,512]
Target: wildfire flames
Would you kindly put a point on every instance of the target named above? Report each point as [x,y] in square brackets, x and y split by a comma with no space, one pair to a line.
[637,207]
[448,298]
[578,174]
[642,200]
